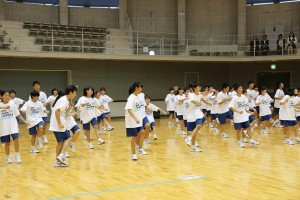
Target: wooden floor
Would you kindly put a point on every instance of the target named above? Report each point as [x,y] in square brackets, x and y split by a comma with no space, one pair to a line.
[169,171]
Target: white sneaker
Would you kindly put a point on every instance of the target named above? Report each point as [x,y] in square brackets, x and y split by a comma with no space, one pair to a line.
[195,149]
[170,123]
[72,146]
[142,151]
[104,129]
[211,126]
[278,125]
[84,137]
[196,144]
[241,144]
[101,141]
[224,135]
[8,160]
[147,141]
[297,140]
[188,141]
[217,120]
[39,142]
[34,150]
[134,157]
[66,155]
[289,142]
[264,132]
[18,158]
[145,146]
[182,132]
[45,140]
[253,142]
[155,137]
[90,146]
[109,128]
[62,160]
[267,130]
[215,130]
[246,133]
[244,140]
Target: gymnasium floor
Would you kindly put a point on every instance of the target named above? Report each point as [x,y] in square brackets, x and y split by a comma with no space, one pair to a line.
[169,171]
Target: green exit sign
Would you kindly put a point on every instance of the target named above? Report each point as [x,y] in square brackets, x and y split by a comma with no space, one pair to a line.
[273,66]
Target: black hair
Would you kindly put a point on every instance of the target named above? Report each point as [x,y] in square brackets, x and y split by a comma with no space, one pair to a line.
[195,84]
[134,85]
[236,86]
[250,82]
[86,89]
[225,85]
[70,88]
[255,86]
[185,89]
[262,88]
[60,94]
[35,82]
[1,92]
[34,94]
[171,89]
[206,86]
[54,89]
[290,91]
[102,89]
[179,88]
[147,97]
[278,83]
[12,91]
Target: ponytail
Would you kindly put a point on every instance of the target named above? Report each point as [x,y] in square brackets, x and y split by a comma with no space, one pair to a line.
[135,85]
[60,94]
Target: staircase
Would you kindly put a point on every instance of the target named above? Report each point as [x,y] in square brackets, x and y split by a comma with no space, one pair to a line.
[118,43]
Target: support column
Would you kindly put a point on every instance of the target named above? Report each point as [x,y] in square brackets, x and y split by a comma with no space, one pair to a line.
[242,22]
[63,12]
[1,9]
[123,14]
[181,23]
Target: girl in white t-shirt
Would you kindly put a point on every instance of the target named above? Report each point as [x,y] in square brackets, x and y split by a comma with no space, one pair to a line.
[263,102]
[297,110]
[214,111]
[87,106]
[105,99]
[101,113]
[150,108]
[287,115]
[34,110]
[207,100]
[278,97]
[9,126]
[170,101]
[240,107]
[180,98]
[134,115]
[52,98]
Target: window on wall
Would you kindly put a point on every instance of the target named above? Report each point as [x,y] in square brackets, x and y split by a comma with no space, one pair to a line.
[263,2]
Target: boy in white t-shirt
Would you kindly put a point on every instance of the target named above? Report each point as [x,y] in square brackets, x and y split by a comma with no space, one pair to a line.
[287,115]
[16,100]
[278,97]
[9,126]
[58,124]
[34,110]
[263,102]
[170,101]
[150,108]
[240,107]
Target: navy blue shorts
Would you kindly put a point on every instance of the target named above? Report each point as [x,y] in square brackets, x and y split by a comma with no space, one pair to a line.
[18,121]
[180,117]
[132,132]
[192,125]
[288,122]
[257,109]
[107,113]
[185,123]
[33,131]
[87,125]
[145,121]
[276,111]
[152,124]
[298,118]
[45,120]
[171,112]
[204,110]
[100,118]
[239,126]
[222,117]
[251,118]
[62,136]
[75,128]
[214,116]
[265,118]
[6,138]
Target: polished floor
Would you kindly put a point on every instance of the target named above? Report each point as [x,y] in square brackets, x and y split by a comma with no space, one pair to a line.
[169,171]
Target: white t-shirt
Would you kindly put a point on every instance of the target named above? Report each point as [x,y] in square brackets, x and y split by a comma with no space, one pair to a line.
[186,107]
[179,104]
[97,111]
[149,113]
[297,110]
[215,105]
[194,110]
[137,105]
[17,101]
[88,112]
[34,112]
[104,100]
[142,98]
[287,110]
[43,100]
[279,94]
[251,96]
[62,104]
[223,108]
[209,100]
[70,121]
[264,107]
[8,122]
[240,103]
[170,100]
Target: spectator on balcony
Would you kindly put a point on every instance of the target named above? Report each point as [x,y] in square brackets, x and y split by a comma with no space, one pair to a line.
[264,45]
[291,43]
[280,44]
[254,46]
